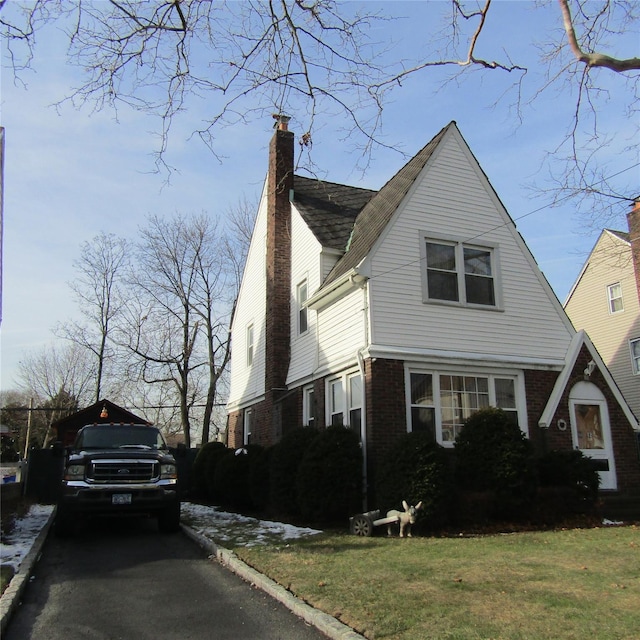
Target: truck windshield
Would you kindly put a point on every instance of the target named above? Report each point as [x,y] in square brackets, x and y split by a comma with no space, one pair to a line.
[119,437]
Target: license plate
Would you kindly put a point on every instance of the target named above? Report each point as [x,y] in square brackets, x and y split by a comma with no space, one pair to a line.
[121,498]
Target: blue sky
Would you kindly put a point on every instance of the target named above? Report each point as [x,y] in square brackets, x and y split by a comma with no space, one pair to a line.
[70,175]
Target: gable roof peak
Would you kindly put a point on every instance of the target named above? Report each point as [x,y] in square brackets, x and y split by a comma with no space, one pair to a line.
[376,214]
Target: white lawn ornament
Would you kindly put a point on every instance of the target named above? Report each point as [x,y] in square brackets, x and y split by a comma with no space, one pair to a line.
[406,518]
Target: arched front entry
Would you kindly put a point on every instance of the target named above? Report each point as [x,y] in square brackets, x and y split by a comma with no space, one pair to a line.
[591,430]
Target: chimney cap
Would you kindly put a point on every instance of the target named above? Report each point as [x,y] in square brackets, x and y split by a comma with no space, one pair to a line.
[282,121]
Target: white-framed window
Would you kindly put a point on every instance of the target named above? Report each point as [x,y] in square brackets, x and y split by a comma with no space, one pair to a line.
[634,345]
[344,400]
[440,402]
[250,345]
[302,293]
[614,295]
[354,397]
[246,426]
[460,273]
[336,402]
[308,406]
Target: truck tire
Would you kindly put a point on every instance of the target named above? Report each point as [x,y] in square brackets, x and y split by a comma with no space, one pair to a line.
[169,519]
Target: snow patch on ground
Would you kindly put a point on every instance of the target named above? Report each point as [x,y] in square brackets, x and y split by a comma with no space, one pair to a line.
[17,543]
[239,530]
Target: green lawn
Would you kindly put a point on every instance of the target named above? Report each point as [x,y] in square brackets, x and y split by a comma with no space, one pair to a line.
[578,583]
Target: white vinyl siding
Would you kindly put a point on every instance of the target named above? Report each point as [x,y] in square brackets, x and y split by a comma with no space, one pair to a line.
[247,380]
[449,199]
[305,268]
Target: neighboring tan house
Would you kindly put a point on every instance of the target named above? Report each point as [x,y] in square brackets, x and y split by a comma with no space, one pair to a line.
[604,301]
[407,309]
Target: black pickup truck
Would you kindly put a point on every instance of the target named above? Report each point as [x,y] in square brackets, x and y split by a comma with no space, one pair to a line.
[115,469]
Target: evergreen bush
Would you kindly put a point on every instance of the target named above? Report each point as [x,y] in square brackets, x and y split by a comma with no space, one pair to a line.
[415,469]
[493,455]
[205,461]
[569,474]
[330,476]
[285,461]
[231,478]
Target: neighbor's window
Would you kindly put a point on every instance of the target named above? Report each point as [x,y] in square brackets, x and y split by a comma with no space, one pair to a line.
[635,355]
[301,298]
[249,345]
[440,403]
[614,292]
[456,272]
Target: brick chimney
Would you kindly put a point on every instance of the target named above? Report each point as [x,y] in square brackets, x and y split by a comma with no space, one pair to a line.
[278,271]
[633,220]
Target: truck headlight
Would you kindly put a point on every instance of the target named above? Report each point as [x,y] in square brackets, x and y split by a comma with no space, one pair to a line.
[74,472]
[168,472]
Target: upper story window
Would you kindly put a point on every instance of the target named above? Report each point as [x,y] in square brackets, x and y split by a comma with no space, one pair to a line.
[302,293]
[460,273]
[249,345]
[614,293]
[635,355]
[440,403]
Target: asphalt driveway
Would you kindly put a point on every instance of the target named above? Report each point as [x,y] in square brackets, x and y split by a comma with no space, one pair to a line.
[121,579]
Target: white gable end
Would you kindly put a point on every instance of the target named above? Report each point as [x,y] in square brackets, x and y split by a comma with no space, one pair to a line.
[452,200]
[247,379]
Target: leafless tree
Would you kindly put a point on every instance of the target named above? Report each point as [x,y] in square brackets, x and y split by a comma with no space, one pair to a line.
[178,313]
[59,377]
[320,59]
[99,296]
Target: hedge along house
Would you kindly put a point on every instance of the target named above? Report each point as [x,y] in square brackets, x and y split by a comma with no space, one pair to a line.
[407,309]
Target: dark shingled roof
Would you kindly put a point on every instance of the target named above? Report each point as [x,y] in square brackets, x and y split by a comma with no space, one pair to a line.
[623,235]
[329,209]
[375,216]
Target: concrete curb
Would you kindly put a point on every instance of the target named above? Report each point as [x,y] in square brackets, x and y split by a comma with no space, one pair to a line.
[11,597]
[325,623]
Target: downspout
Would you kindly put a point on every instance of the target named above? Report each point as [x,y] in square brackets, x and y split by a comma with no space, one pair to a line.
[363,421]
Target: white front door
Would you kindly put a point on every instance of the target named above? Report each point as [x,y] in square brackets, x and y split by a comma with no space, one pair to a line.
[591,430]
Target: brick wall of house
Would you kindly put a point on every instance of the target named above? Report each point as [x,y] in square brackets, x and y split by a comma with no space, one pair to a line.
[385,411]
[539,385]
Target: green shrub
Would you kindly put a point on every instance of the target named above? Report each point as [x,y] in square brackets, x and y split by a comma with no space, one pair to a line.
[492,454]
[571,475]
[415,469]
[330,476]
[231,478]
[286,457]
[203,467]
[259,476]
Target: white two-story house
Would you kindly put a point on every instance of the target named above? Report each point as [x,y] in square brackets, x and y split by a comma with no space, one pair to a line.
[407,309]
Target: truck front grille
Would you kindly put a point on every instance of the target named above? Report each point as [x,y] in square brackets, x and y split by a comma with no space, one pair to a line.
[123,471]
